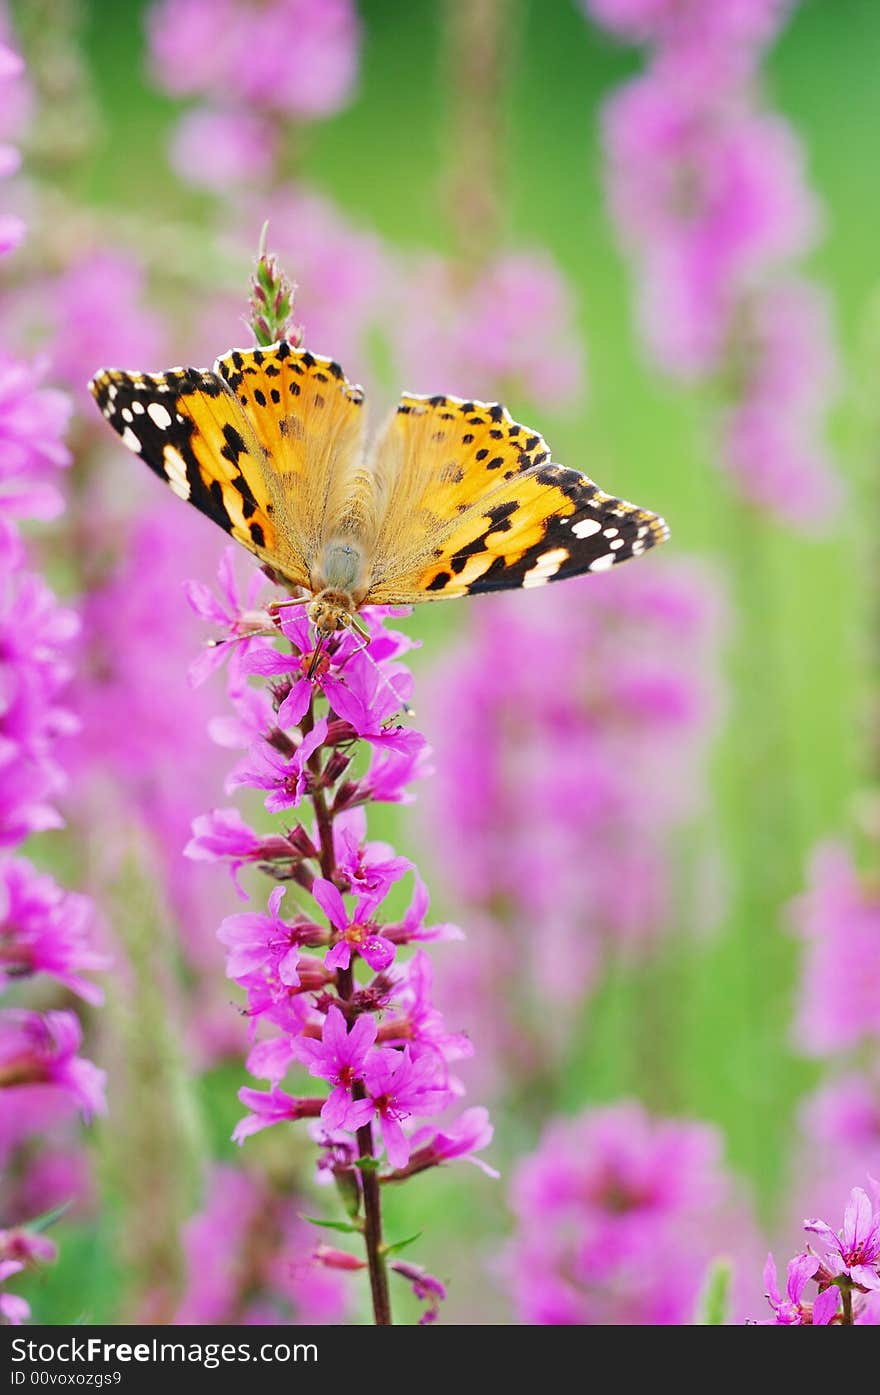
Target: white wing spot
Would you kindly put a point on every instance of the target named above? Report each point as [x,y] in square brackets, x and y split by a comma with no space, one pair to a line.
[585,528]
[602,563]
[137,407]
[126,414]
[547,565]
[175,469]
[161,415]
[618,542]
[609,532]
[130,439]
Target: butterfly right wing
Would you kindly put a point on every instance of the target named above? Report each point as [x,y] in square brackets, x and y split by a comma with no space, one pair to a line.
[474,504]
[190,430]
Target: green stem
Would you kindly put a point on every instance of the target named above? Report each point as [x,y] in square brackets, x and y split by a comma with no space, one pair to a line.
[345,988]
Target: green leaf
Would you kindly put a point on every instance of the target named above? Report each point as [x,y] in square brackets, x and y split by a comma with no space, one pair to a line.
[344,1226]
[367,1164]
[401,1244]
[713,1304]
[49,1217]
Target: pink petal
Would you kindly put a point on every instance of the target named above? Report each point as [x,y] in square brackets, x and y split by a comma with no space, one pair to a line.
[331,903]
[825,1306]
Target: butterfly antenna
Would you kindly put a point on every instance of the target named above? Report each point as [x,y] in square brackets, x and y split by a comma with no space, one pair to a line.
[384,679]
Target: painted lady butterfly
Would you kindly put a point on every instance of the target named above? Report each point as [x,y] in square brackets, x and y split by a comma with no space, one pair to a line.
[454,498]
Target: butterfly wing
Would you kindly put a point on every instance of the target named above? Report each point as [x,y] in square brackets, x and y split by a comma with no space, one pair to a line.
[263,445]
[309,420]
[473,503]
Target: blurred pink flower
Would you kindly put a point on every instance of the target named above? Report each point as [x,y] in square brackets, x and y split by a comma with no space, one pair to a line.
[343,277]
[511,332]
[221,147]
[44,929]
[246,1259]
[844,1115]
[33,420]
[711,200]
[838,917]
[290,56]
[772,435]
[663,21]
[555,708]
[38,1052]
[618,1217]
[35,638]
[99,317]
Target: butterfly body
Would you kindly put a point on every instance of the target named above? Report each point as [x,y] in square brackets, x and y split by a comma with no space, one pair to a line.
[453,498]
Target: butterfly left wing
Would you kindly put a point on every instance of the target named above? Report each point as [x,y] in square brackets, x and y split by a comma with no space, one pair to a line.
[475,504]
[189,428]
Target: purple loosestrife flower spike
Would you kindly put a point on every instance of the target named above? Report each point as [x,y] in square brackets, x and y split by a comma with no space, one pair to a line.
[323,991]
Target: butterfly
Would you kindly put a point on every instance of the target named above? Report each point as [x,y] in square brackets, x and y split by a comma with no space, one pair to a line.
[453,498]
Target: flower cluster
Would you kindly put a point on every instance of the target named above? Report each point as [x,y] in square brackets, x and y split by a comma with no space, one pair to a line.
[846,1270]
[326,988]
[507,332]
[44,930]
[556,708]
[618,1218]
[837,1018]
[238,1259]
[254,67]
[838,918]
[707,189]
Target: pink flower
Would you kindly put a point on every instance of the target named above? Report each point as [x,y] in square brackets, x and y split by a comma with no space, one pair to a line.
[371,869]
[397,1086]
[45,930]
[425,1287]
[271,1107]
[618,1218]
[99,312]
[339,1057]
[465,1136]
[285,777]
[216,147]
[355,935]
[240,618]
[413,928]
[838,918]
[417,1020]
[752,22]
[288,55]
[509,332]
[33,420]
[791,1311]
[39,1050]
[264,942]
[855,1251]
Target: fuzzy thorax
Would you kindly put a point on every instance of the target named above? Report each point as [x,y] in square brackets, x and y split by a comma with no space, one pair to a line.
[331,610]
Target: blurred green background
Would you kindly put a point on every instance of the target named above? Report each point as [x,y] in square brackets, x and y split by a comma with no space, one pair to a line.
[704,1031]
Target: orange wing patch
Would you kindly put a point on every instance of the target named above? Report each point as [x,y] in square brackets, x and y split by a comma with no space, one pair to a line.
[192,433]
[308,419]
[474,503]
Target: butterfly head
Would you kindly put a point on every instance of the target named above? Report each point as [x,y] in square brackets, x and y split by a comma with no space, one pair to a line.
[331,611]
